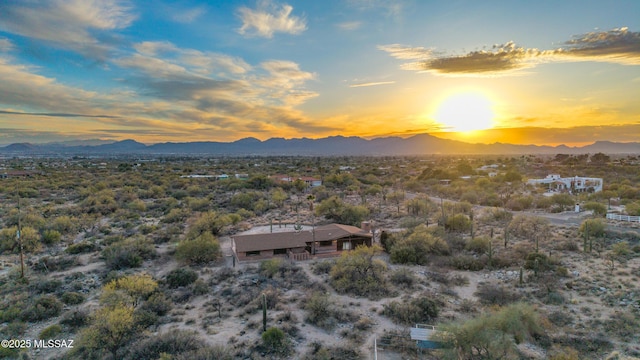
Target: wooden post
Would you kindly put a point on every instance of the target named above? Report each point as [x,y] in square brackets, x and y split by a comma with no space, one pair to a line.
[264,312]
[20,240]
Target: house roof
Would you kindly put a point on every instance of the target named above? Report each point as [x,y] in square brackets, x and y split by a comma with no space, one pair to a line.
[288,240]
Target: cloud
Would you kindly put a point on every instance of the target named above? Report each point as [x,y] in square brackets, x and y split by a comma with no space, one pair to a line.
[5,45]
[188,15]
[268,19]
[570,135]
[68,24]
[616,46]
[65,115]
[372,84]
[350,25]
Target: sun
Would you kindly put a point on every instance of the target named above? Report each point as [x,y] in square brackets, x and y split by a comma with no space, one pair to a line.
[465,111]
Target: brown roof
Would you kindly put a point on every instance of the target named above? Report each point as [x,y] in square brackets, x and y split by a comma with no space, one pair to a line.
[288,240]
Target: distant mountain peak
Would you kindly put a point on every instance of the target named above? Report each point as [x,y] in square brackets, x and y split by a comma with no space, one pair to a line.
[418,144]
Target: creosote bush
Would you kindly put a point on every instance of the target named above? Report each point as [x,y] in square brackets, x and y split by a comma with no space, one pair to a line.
[275,341]
[202,250]
[45,307]
[50,332]
[181,277]
[423,309]
[491,294]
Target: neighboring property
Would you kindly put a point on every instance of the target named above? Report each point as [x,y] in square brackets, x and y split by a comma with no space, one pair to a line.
[330,240]
[574,184]
[18,173]
[310,181]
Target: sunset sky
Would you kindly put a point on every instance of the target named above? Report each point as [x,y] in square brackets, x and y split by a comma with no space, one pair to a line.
[535,72]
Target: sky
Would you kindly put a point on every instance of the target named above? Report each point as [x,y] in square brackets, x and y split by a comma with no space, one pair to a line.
[522,72]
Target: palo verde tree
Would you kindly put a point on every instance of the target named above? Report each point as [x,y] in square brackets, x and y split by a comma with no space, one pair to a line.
[490,336]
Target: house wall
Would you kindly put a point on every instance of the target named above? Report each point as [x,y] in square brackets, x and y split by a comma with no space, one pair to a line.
[355,242]
[265,254]
[325,249]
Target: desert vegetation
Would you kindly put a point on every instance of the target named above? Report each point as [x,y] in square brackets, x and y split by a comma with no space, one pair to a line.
[131,258]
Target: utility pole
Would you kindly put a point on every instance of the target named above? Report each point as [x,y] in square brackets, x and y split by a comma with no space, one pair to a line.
[20,241]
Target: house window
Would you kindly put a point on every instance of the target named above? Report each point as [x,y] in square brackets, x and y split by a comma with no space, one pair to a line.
[326,243]
[346,246]
[280,252]
[253,253]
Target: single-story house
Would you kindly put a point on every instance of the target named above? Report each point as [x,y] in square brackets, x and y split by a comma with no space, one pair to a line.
[327,240]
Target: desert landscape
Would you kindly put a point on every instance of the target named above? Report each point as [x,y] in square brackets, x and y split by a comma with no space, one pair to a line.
[135,259]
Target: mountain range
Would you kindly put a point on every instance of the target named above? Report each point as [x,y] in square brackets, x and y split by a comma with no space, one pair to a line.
[421,144]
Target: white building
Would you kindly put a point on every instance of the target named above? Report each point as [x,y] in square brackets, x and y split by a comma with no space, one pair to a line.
[574,184]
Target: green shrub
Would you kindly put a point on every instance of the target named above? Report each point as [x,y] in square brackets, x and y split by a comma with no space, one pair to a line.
[417,247]
[128,253]
[490,294]
[538,262]
[75,319]
[72,298]
[14,329]
[323,267]
[11,313]
[173,343]
[319,309]
[492,333]
[199,251]
[81,248]
[50,237]
[199,287]
[458,222]
[181,277]
[466,262]
[403,278]
[46,286]
[144,318]
[55,263]
[275,341]
[478,245]
[45,307]
[118,258]
[271,267]
[50,332]
[158,303]
[422,309]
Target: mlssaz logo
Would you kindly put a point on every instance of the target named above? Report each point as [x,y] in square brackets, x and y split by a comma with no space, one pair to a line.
[53,343]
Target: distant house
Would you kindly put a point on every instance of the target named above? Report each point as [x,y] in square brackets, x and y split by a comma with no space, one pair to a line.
[242,176]
[330,240]
[575,184]
[197,176]
[310,181]
[313,182]
[19,173]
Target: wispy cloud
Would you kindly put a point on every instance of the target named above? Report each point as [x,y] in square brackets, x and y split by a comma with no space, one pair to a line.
[65,115]
[372,84]
[616,46]
[350,25]
[5,45]
[166,90]
[269,18]
[68,24]
[188,15]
